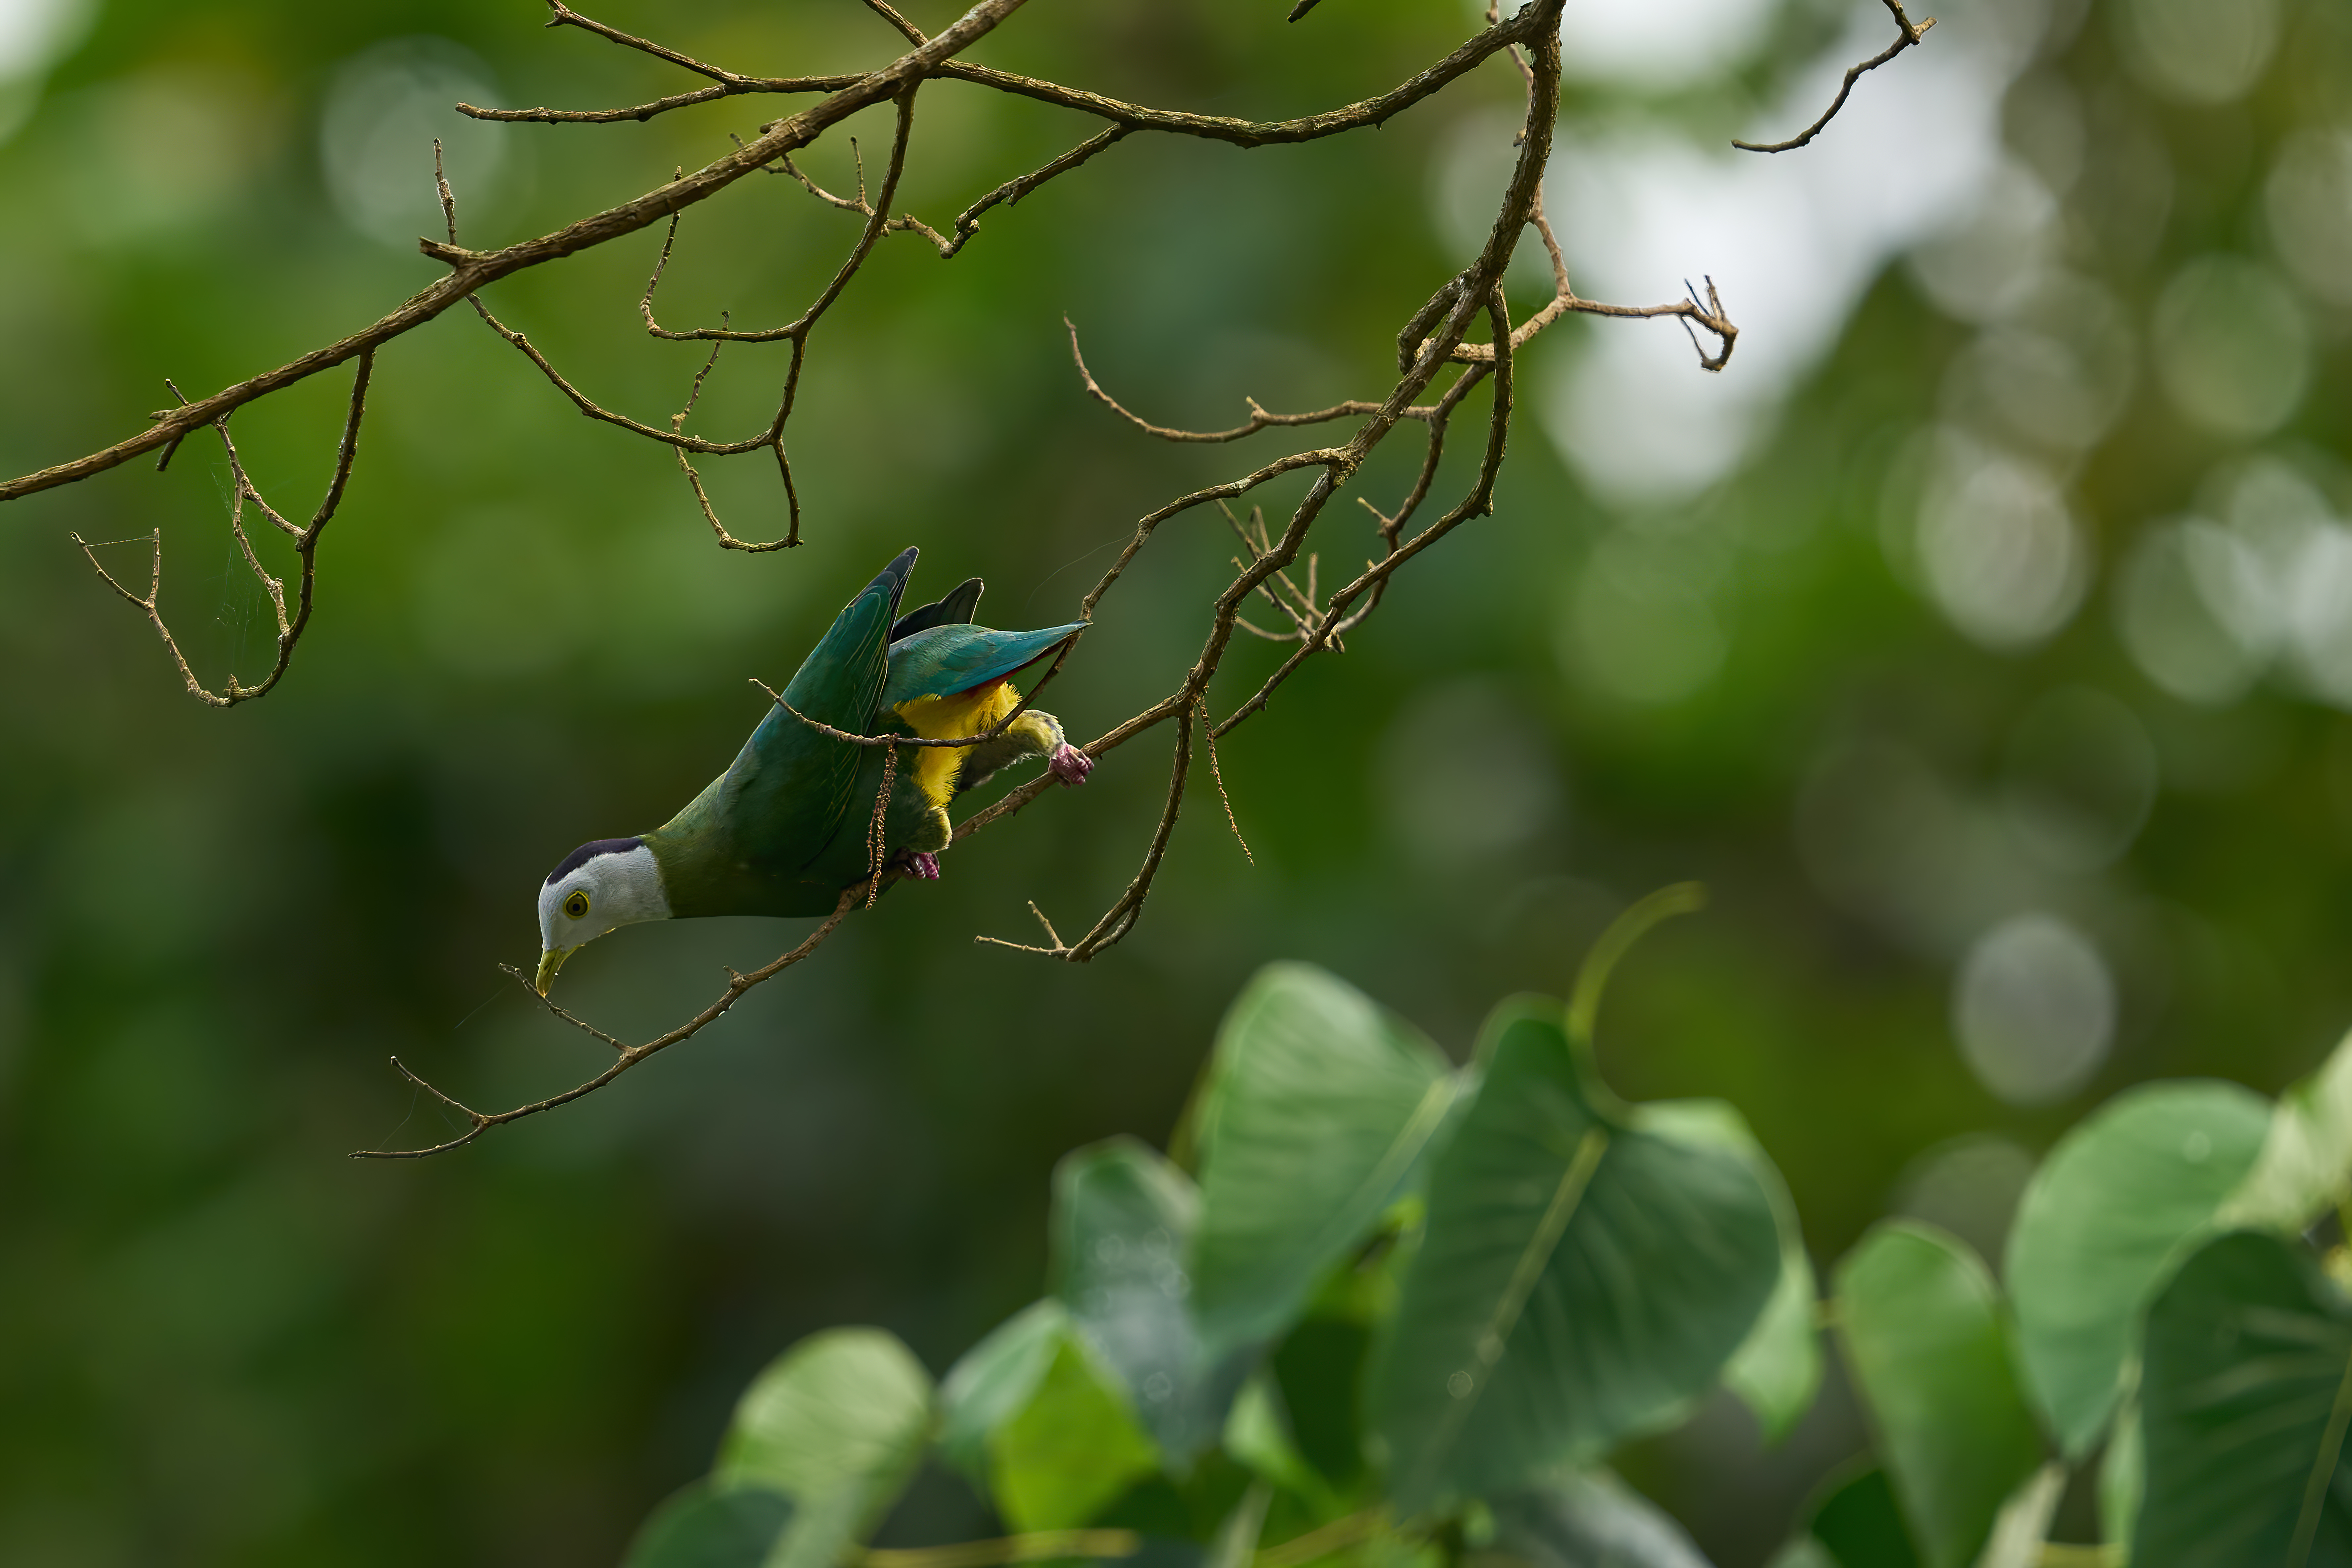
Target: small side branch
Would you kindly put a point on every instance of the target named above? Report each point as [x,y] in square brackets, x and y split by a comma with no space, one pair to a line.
[1477,503]
[147,603]
[724,83]
[627,1057]
[644,111]
[907,30]
[304,538]
[1056,950]
[693,476]
[1909,35]
[967,221]
[1120,917]
[1259,418]
[562,16]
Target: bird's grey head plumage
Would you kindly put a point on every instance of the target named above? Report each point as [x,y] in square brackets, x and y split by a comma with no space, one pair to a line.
[602,885]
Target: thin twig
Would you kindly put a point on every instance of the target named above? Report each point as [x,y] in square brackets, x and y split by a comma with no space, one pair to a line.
[629,1057]
[1259,418]
[884,9]
[1208,732]
[1907,34]
[448,200]
[306,553]
[1058,948]
[967,221]
[1120,917]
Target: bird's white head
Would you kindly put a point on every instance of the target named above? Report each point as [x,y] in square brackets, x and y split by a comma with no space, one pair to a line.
[601,886]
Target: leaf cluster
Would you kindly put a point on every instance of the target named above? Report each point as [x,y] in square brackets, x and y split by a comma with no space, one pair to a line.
[1375,1309]
[1380,1310]
[2176,1334]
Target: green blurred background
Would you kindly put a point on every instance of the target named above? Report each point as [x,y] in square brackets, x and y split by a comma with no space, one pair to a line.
[1981,637]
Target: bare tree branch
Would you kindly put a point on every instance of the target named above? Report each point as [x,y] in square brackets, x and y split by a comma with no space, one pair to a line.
[1438,368]
[471,271]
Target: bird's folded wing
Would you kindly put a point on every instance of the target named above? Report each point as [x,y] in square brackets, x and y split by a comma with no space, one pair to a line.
[792,784]
[945,659]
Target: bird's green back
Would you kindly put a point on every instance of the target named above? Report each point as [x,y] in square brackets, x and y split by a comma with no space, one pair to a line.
[747,843]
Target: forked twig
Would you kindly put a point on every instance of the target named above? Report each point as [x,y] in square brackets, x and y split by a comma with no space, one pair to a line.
[305,555]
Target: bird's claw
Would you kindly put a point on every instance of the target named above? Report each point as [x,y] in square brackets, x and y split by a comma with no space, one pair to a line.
[923,866]
[1070,765]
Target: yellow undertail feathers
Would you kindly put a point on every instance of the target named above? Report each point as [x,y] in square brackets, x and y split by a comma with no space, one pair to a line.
[953,717]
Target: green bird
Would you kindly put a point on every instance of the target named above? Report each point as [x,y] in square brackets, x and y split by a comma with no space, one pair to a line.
[788,826]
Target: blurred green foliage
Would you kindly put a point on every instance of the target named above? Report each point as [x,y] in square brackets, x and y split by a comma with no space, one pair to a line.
[1928,784]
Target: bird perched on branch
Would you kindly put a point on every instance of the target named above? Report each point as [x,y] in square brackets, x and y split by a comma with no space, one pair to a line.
[792,821]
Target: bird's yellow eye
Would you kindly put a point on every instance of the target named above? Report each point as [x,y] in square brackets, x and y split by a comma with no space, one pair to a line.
[576,905]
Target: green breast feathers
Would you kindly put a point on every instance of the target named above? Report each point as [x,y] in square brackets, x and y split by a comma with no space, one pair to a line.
[789,825]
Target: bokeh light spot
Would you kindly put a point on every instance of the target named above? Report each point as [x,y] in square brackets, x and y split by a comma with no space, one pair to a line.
[1639,627]
[2167,614]
[2231,347]
[2198,52]
[1466,778]
[2309,201]
[375,138]
[2034,1010]
[2001,553]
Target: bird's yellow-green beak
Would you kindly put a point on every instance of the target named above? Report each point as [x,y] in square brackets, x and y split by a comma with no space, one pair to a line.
[548,962]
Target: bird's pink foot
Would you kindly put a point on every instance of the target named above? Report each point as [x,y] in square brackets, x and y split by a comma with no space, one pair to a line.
[923,866]
[1070,765]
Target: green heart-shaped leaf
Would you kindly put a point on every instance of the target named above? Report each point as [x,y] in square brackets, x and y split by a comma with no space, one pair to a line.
[1577,1278]
[1314,1105]
[2105,1217]
[2245,1393]
[837,1424]
[1920,1317]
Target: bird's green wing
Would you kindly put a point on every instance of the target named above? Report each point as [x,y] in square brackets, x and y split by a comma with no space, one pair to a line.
[792,783]
[949,659]
[760,824]
[957,606]
[939,661]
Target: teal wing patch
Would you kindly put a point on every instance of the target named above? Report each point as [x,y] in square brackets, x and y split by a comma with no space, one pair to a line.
[949,659]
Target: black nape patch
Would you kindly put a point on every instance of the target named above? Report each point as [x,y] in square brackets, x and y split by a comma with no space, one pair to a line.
[589,852]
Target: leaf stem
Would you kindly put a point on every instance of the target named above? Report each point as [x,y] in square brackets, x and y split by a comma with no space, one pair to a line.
[1584,1003]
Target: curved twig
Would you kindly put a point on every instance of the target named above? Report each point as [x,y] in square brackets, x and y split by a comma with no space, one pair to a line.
[306,553]
[629,1055]
[1910,35]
